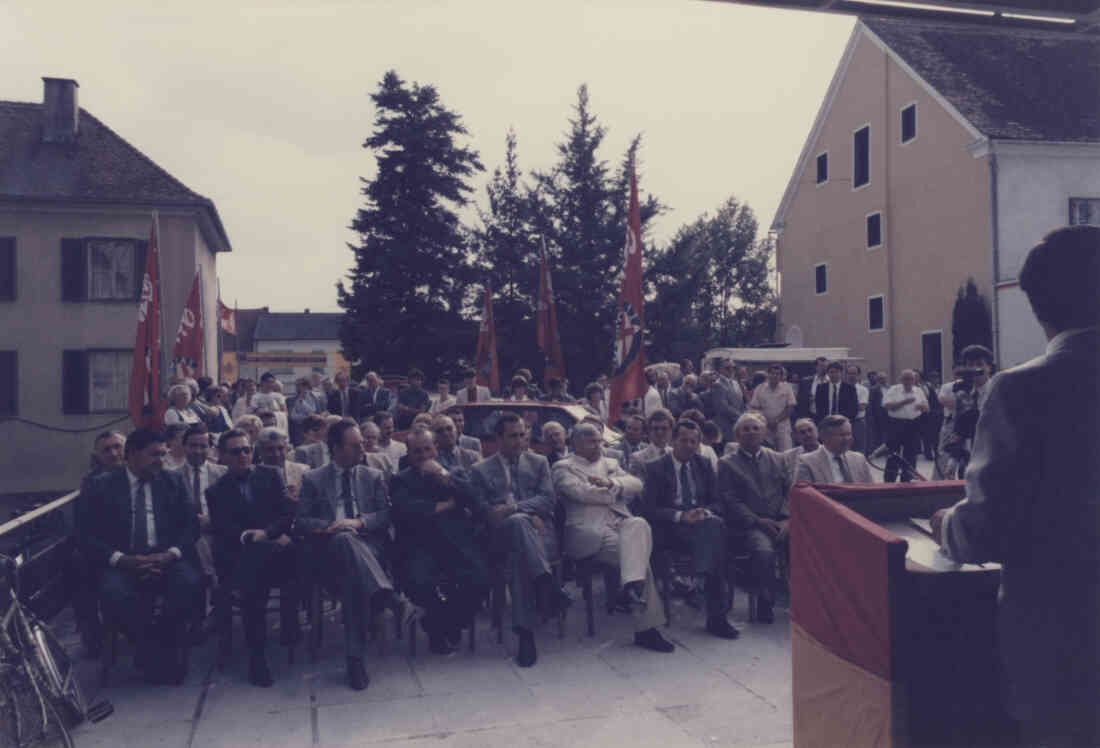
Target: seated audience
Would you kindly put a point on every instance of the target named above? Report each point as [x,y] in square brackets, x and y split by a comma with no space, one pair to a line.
[450,455]
[682,506]
[553,438]
[313,451]
[371,456]
[595,402]
[387,445]
[464,440]
[344,512]
[139,540]
[753,482]
[518,496]
[834,461]
[440,556]
[273,448]
[659,425]
[174,434]
[705,450]
[444,399]
[599,525]
[179,406]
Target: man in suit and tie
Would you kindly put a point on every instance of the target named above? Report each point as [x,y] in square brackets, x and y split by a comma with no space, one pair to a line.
[199,473]
[518,496]
[251,515]
[681,504]
[450,454]
[344,512]
[313,451]
[464,440]
[753,482]
[659,425]
[600,525]
[273,446]
[471,391]
[834,397]
[139,538]
[807,390]
[440,554]
[633,439]
[728,399]
[376,396]
[834,461]
[1031,501]
[345,400]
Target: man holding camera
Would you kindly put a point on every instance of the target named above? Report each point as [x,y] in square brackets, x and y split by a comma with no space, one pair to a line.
[962,402]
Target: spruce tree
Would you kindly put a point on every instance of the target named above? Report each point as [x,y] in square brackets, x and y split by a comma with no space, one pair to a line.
[405,293]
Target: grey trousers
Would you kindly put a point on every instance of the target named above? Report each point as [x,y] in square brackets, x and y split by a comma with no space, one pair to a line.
[706,541]
[528,558]
[351,569]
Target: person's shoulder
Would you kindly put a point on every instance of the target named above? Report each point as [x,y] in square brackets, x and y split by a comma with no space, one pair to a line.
[316,474]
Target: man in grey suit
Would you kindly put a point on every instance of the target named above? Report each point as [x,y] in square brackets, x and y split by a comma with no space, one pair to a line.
[834,461]
[471,391]
[449,454]
[1032,499]
[515,485]
[344,508]
[727,400]
[464,440]
[312,451]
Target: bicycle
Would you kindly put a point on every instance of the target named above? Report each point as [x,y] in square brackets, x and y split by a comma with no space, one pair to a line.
[40,697]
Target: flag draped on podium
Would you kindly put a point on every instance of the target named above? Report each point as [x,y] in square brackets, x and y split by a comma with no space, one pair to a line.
[144,402]
[628,381]
[548,338]
[187,351]
[485,359]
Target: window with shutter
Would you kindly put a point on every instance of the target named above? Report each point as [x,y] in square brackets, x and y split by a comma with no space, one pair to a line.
[109,380]
[9,383]
[7,268]
[861,157]
[74,381]
[74,270]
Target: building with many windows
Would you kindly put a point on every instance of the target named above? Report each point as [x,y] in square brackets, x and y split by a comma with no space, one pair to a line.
[76,205]
[942,151]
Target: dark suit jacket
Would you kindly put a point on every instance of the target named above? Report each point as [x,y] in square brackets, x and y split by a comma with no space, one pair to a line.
[107,522]
[356,402]
[375,400]
[271,509]
[659,499]
[847,400]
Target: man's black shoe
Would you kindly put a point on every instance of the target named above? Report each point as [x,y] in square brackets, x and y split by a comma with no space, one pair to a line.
[722,628]
[652,639]
[357,674]
[633,594]
[527,655]
[764,613]
[259,674]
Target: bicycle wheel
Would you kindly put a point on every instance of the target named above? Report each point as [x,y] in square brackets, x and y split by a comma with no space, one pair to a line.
[58,671]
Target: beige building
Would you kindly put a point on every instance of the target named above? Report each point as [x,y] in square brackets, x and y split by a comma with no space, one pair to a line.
[942,152]
[76,202]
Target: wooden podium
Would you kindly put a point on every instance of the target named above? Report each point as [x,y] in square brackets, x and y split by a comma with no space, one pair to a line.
[893,643]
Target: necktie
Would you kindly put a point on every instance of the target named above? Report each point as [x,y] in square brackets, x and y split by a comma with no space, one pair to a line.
[832,408]
[844,471]
[513,478]
[350,511]
[343,402]
[687,489]
[141,522]
[197,491]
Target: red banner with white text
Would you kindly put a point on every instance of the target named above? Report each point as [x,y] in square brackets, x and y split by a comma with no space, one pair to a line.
[187,351]
[628,381]
[144,402]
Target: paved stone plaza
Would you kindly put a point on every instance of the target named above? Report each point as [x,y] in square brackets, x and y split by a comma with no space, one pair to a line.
[598,691]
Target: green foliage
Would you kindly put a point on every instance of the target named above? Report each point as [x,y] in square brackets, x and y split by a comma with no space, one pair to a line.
[971,320]
[709,287]
[405,293]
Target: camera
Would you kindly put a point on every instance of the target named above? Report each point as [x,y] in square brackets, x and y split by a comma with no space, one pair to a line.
[966,377]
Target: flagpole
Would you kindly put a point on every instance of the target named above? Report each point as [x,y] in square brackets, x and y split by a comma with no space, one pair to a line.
[161,352]
[201,367]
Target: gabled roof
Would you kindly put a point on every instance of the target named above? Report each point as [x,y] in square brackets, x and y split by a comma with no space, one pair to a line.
[999,83]
[99,166]
[298,326]
[1011,84]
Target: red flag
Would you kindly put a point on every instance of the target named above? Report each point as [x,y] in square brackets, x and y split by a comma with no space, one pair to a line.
[187,351]
[485,360]
[227,318]
[145,406]
[549,340]
[628,381]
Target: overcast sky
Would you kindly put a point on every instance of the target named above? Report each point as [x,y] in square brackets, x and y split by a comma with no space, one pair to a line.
[264,108]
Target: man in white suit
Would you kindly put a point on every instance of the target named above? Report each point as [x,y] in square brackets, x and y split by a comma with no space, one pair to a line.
[833,461]
[471,391]
[1032,502]
[515,485]
[599,524]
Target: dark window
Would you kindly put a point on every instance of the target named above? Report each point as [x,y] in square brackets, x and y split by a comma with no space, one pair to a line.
[823,168]
[874,230]
[102,268]
[821,281]
[861,156]
[9,379]
[931,345]
[1084,211]
[908,123]
[875,313]
[74,381]
[7,268]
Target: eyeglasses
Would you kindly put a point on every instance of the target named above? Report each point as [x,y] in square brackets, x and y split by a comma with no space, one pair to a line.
[239,450]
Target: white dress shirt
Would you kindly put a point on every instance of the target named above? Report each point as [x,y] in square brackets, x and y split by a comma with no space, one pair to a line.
[863,396]
[188,473]
[395,450]
[909,411]
[150,521]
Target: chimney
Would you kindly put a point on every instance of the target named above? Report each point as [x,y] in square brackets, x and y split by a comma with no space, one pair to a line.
[61,112]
